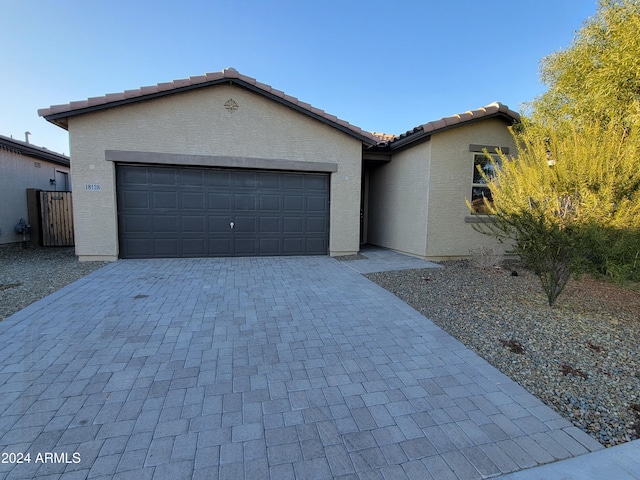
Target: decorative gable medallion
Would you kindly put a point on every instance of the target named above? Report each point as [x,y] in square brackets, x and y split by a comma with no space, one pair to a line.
[231,105]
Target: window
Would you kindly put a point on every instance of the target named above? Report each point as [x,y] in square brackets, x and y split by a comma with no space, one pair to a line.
[479,189]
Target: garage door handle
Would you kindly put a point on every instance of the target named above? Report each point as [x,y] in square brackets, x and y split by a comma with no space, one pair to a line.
[231,224]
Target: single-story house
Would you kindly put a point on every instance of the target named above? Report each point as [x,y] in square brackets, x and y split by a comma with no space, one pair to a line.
[223,165]
[22,166]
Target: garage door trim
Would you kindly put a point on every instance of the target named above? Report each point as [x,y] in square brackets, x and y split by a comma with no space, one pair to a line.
[178,159]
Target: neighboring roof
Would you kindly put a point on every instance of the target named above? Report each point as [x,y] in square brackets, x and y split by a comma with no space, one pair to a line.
[495,109]
[383,137]
[33,151]
[58,114]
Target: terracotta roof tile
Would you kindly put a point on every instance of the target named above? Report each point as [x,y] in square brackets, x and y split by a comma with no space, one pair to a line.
[165,86]
[214,76]
[263,86]
[75,108]
[79,104]
[453,120]
[105,101]
[230,72]
[149,90]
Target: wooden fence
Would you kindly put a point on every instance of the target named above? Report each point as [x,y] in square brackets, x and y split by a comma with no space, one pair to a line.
[51,218]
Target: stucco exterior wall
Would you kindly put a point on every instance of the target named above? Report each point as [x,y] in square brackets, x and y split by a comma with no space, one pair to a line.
[197,123]
[448,234]
[398,201]
[20,172]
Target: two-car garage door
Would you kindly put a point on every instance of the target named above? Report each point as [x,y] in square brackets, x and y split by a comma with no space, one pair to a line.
[171,211]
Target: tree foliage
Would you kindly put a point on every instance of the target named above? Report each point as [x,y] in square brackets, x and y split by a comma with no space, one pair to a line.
[598,77]
[570,196]
[570,200]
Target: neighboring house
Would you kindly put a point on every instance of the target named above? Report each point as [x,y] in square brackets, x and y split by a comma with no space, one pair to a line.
[23,166]
[221,165]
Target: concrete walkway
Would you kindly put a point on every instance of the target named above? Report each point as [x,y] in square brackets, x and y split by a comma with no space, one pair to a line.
[256,368]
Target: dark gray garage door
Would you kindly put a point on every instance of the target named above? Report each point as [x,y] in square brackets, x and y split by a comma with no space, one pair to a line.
[201,212]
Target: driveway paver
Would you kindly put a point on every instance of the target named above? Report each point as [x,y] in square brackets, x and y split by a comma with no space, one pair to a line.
[290,367]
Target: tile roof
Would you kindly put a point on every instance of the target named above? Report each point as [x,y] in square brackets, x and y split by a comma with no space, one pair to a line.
[383,137]
[30,150]
[492,110]
[58,114]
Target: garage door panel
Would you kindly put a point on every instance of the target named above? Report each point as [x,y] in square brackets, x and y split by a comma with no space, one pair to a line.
[245,224]
[194,247]
[219,224]
[194,224]
[137,223]
[164,176]
[245,246]
[192,201]
[293,225]
[269,224]
[135,199]
[164,200]
[245,180]
[192,178]
[174,211]
[220,201]
[317,182]
[269,246]
[293,182]
[222,247]
[316,204]
[165,247]
[293,203]
[269,203]
[244,201]
[135,177]
[136,248]
[316,246]
[165,223]
[270,181]
[293,246]
[219,178]
[315,225]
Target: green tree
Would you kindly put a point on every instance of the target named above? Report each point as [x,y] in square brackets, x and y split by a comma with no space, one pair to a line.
[597,78]
[570,200]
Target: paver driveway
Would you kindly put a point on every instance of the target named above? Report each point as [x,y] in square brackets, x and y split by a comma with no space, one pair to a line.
[256,368]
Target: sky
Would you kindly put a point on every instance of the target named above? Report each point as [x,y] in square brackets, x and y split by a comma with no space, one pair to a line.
[384,66]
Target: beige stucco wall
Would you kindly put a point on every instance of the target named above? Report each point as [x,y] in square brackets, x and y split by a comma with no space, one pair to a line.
[448,235]
[398,201]
[20,172]
[197,123]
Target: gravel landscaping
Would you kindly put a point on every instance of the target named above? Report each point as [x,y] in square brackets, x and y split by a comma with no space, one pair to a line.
[581,357]
[28,274]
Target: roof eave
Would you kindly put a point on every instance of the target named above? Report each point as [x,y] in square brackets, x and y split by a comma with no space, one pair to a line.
[61,118]
[34,151]
[424,135]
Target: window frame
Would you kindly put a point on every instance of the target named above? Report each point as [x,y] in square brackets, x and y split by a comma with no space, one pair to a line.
[479,208]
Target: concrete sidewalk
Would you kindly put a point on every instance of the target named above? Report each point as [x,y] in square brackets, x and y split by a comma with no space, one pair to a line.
[621,462]
[257,368]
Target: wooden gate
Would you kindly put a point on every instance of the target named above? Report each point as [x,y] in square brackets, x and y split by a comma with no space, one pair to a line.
[57,219]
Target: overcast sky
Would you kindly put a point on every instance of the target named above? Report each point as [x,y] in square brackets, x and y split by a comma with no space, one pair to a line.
[385,66]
